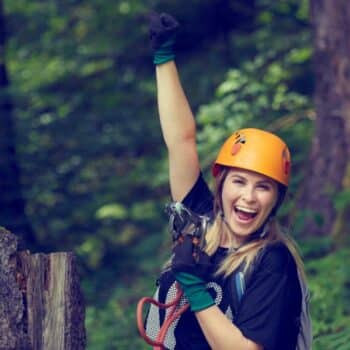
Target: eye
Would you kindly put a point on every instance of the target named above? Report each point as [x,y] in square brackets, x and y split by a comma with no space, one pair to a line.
[237,181]
[265,187]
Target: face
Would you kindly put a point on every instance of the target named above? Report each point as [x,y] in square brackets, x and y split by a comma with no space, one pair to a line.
[247,200]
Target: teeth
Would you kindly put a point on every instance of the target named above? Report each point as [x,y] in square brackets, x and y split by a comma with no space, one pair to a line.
[246,210]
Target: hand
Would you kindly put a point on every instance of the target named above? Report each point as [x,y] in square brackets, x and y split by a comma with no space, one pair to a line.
[162,29]
[191,266]
[162,32]
[188,257]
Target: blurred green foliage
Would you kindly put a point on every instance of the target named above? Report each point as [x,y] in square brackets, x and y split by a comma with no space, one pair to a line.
[93,162]
[329,280]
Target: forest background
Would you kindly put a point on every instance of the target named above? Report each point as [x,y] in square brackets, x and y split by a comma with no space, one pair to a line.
[83,164]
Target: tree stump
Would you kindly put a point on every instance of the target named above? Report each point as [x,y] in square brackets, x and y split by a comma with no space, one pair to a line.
[41,303]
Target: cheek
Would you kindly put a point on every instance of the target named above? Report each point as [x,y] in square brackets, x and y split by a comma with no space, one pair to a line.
[228,192]
[225,198]
[268,202]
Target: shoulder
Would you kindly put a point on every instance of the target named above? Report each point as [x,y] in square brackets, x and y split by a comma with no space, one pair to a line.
[276,258]
[199,199]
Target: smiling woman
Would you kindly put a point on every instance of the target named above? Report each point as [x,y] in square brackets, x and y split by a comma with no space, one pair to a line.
[247,200]
[243,285]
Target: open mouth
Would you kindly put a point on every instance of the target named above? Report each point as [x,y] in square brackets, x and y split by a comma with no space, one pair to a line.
[245,214]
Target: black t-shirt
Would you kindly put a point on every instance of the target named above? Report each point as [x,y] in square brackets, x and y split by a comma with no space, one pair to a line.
[269,310]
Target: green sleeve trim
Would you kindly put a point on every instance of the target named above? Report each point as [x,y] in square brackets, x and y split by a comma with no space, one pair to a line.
[165,53]
[195,291]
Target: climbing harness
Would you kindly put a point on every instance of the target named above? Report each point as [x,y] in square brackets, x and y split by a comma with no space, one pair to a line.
[174,313]
[182,221]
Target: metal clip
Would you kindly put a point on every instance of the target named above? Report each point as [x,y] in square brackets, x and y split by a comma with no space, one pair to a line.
[183,221]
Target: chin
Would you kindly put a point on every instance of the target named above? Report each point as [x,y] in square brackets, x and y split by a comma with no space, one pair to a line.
[242,233]
[245,232]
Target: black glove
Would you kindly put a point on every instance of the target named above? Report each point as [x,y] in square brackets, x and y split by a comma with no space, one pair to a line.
[191,267]
[162,32]
[188,257]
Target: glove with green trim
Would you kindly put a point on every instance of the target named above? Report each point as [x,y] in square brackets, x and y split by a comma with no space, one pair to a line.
[191,266]
[162,32]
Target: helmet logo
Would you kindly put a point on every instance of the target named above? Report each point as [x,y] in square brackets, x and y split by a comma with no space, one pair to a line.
[239,140]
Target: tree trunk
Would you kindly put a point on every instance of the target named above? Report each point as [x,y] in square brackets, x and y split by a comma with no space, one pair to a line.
[329,165]
[12,314]
[12,204]
[41,304]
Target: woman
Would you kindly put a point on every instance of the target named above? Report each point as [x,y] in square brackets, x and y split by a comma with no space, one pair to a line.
[252,174]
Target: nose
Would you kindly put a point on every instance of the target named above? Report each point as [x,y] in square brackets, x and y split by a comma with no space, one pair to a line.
[248,194]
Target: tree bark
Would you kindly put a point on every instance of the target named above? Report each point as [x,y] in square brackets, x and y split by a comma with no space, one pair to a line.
[12,312]
[12,204]
[329,165]
[41,304]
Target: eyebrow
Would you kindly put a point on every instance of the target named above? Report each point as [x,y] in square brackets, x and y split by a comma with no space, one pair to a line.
[239,176]
[269,182]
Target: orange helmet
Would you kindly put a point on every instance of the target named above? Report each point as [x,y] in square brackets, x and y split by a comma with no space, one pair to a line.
[256,150]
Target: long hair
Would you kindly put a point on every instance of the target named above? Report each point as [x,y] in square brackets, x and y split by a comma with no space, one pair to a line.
[247,253]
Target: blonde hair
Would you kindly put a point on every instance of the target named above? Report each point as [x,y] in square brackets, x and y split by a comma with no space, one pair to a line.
[248,252]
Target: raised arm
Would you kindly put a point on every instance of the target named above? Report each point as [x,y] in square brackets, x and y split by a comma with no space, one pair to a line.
[179,130]
[176,118]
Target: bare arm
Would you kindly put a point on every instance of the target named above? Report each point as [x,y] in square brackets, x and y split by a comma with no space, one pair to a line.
[179,130]
[221,333]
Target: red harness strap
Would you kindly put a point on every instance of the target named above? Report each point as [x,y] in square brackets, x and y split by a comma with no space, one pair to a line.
[174,313]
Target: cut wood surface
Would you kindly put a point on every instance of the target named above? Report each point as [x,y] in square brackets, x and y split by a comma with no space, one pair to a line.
[47,309]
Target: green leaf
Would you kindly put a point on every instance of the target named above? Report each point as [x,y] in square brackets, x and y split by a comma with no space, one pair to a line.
[112,211]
